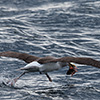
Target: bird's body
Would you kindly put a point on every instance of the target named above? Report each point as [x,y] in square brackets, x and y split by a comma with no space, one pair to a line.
[48,67]
[43,68]
[37,67]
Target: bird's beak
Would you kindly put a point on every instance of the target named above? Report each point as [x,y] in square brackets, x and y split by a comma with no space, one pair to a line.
[72,69]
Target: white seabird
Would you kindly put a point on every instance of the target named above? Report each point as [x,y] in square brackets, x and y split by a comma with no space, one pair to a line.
[47,64]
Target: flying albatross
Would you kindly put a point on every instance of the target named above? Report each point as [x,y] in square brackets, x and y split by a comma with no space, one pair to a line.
[48,64]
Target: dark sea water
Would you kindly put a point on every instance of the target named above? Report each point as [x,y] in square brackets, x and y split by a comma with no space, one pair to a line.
[50,28]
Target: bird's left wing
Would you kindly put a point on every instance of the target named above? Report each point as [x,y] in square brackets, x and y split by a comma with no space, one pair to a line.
[22,56]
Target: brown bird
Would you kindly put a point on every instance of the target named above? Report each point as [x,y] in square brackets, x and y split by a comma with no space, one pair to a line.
[47,64]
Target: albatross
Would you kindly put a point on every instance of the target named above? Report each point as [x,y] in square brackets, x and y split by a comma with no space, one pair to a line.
[43,65]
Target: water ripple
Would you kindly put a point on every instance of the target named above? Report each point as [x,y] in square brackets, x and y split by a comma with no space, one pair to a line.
[43,28]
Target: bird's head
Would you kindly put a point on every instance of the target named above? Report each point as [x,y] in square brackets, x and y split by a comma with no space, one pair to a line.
[72,69]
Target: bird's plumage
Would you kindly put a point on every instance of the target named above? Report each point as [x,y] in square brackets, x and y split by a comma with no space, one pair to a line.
[32,67]
[43,68]
[29,58]
[47,64]
[22,56]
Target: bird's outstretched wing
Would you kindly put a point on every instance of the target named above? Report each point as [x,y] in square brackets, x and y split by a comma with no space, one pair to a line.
[22,56]
[79,60]
[29,58]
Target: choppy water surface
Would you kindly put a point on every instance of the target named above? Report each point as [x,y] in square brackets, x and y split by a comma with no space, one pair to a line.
[50,28]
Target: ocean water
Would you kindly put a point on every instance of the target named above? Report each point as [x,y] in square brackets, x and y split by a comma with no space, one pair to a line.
[50,28]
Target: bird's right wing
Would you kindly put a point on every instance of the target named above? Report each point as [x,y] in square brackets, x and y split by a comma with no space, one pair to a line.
[79,60]
[22,56]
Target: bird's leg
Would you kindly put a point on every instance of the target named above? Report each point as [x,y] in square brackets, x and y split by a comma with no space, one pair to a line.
[48,77]
[13,81]
[20,76]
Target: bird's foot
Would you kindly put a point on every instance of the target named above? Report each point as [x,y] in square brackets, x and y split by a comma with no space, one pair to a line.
[11,83]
